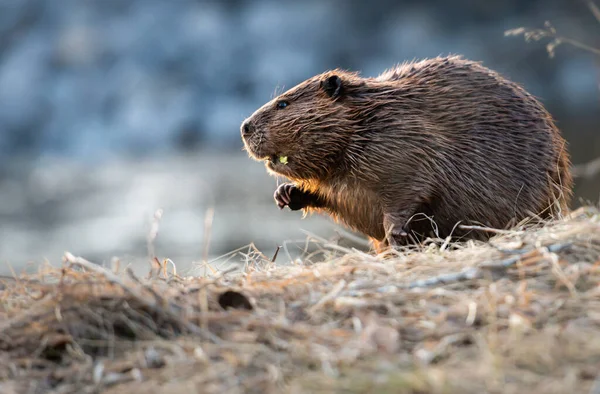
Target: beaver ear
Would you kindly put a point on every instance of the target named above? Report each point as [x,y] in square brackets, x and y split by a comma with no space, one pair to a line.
[332,85]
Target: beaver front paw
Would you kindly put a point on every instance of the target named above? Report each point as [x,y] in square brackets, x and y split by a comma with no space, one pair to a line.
[287,194]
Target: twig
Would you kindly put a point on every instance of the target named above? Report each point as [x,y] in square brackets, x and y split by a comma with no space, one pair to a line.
[550,32]
[593,9]
[139,297]
[576,44]
[328,245]
[475,272]
[328,297]
[112,278]
[208,222]
[160,300]
[353,238]
[276,253]
[153,233]
[428,356]
[222,274]
[559,273]
[486,229]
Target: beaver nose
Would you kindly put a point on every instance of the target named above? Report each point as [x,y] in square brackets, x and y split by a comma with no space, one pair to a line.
[247,128]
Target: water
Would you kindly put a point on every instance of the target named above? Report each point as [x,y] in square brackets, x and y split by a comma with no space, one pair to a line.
[98,212]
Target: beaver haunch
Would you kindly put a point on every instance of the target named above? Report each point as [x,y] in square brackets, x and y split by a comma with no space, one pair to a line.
[444,139]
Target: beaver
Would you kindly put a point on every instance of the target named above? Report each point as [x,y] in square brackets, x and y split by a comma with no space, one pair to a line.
[413,152]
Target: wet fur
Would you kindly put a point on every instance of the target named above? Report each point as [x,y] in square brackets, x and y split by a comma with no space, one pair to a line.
[444,138]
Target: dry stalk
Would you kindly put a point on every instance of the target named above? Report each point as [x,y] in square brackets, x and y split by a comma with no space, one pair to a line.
[338,324]
[475,272]
[150,303]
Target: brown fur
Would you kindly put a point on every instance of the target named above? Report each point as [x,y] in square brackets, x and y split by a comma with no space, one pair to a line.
[445,139]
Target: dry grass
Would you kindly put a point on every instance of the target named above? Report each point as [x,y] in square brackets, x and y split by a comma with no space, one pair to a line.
[524,316]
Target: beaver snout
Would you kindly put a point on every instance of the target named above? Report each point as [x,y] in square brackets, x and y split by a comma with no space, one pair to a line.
[253,140]
[247,128]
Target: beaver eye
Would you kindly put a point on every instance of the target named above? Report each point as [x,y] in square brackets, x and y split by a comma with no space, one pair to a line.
[282,104]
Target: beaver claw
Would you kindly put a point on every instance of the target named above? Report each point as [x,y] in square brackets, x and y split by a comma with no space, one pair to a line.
[288,194]
[397,234]
[398,237]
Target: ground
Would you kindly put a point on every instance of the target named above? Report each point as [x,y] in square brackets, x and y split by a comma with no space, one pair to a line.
[520,313]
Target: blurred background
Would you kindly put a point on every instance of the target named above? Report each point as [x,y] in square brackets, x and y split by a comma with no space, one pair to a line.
[112,109]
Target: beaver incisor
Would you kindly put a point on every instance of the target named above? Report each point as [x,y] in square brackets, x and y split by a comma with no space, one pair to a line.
[444,139]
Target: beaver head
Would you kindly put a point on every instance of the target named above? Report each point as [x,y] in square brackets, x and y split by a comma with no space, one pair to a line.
[302,133]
